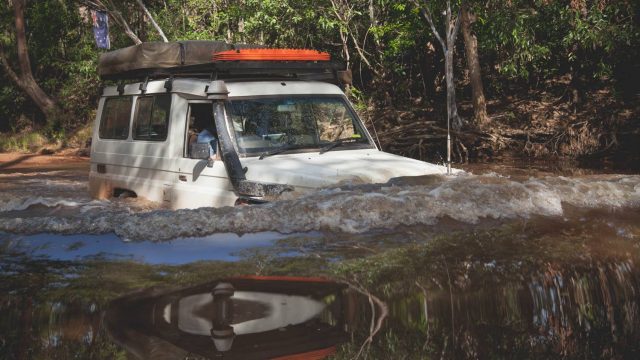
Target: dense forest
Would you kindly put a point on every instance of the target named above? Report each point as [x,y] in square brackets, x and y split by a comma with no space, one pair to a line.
[536,78]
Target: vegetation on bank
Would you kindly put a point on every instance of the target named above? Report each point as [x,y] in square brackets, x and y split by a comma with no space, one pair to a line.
[534,78]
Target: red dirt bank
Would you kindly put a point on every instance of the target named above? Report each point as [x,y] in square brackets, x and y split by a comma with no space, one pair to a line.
[10,162]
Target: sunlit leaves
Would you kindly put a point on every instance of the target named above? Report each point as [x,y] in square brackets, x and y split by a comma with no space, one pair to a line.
[386,39]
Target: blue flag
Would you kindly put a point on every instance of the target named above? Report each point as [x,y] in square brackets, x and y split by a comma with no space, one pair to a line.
[101,28]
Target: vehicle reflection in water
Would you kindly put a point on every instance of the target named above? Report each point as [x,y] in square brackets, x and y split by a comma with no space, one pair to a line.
[547,288]
[236,318]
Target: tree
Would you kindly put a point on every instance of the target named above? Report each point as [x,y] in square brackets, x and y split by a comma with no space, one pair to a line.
[452,24]
[473,65]
[24,79]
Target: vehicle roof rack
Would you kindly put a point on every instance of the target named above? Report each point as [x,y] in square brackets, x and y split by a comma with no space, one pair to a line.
[238,70]
[219,60]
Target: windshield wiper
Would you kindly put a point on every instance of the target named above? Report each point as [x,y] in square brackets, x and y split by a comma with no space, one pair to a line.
[278,150]
[337,143]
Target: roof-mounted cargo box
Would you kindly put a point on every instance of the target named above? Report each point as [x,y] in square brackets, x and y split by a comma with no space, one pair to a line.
[217,59]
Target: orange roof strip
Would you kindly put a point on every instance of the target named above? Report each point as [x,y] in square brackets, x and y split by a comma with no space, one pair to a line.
[283,278]
[311,355]
[272,55]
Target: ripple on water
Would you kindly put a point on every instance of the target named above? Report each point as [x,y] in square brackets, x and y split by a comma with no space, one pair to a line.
[352,209]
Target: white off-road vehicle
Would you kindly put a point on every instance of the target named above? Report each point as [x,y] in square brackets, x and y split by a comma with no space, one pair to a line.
[279,118]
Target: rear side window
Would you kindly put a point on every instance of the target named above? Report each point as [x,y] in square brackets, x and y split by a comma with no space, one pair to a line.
[114,123]
[152,118]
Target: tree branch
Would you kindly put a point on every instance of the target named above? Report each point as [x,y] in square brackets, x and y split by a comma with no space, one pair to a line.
[456,27]
[340,11]
[21,38]
[361,52]
[116,16]
[25,80]
[153,22]
[448,19]
[427,15]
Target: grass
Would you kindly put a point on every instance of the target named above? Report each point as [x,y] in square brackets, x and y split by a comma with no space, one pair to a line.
[22,142]
[40,140]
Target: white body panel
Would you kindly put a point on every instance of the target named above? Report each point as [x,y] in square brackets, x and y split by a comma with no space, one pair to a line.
[312,169]
[283,310]
[160,172]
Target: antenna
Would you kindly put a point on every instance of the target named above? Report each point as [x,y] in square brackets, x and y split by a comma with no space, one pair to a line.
[448,143]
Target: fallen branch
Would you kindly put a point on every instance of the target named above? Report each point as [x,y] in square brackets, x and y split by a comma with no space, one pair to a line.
[376,321]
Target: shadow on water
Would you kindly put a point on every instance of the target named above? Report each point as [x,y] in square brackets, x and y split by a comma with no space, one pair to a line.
[544,288]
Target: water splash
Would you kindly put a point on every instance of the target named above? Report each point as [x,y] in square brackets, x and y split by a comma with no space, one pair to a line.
[352,209]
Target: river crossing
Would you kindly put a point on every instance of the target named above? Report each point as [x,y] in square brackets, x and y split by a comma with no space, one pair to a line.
[498,262]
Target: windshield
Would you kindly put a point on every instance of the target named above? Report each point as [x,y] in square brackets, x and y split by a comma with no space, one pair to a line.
[269,123]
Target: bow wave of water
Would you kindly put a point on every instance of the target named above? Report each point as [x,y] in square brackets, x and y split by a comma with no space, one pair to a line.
[58,202]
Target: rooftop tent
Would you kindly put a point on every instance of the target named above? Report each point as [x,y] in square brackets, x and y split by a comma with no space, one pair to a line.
[200,58]
[161,55]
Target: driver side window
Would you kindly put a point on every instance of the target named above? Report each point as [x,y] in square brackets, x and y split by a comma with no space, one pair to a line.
[200,117]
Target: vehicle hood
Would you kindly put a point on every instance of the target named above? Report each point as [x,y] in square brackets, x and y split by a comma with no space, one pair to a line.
[313,170]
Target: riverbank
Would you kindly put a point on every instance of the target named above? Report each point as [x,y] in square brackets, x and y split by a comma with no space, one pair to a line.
[531,125]
[14,162]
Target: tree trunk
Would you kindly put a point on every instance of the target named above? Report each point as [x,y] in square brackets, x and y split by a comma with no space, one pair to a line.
[25,80]
[127,29]
[451,34]
[448,47]
[452,108]
[473,65]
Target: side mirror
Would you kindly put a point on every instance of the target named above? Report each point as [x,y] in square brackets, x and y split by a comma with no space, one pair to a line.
[199,151]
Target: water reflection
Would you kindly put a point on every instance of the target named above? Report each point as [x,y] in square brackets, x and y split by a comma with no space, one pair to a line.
[235,318]
[544,288]
[109,246]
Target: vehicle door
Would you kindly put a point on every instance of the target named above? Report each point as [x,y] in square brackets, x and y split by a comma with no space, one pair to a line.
[201,182]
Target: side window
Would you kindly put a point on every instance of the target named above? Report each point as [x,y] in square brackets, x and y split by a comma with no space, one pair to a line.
[151,120]
[200,118]
[114,122]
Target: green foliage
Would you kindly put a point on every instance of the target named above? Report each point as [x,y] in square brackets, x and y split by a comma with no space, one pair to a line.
[542,39]
[22,142]
[390,45]
[63,59]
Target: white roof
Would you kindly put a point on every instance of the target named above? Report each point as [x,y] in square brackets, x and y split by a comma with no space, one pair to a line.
[196,87]
[257,88]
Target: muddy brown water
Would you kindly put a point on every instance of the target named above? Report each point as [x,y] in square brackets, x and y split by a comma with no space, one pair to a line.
[507,262]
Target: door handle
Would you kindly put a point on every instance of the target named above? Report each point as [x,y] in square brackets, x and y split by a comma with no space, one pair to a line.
[182,178]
